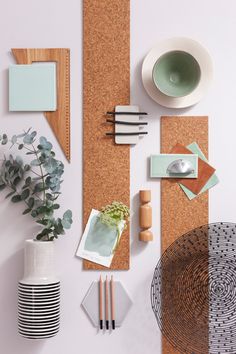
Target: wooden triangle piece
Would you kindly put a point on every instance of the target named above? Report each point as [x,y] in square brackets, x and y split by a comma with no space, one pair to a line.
[60,119]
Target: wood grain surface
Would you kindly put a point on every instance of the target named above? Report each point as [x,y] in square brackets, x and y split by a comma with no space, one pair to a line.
[60,119]
[106,76]
[178,213]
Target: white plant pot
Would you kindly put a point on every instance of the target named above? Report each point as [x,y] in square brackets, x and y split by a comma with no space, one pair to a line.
[39,292]
[39,262]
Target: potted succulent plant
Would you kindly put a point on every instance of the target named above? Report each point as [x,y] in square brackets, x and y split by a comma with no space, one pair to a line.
[36,184]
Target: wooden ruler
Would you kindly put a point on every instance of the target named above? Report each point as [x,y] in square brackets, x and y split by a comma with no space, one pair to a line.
[60,119]
[106,166]
[179,214]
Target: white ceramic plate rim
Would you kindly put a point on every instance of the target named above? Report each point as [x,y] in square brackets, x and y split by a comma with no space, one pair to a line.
[181,44]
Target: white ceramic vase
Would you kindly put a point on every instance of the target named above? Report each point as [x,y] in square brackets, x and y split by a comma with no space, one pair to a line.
[39,292]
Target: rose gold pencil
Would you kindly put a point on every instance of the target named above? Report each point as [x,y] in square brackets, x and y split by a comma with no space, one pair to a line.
[112,304]
[100,303]
[107,304]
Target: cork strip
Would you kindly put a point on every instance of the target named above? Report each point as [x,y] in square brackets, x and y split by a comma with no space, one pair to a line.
[178,213]
[106,71]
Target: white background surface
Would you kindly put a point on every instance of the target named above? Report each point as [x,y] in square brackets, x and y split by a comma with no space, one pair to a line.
[58,23]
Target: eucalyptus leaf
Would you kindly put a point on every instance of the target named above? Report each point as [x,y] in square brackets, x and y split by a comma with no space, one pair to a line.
[26,211]
[28,139]
[26,167]
[34,213]
[56,206]
[16,198]
[67,215]
[28,181]
[31,202]
[35,162]
[44,144]
[25,194]
[10,194]
[16,181]
[14,139]
[42,222]
[66,224]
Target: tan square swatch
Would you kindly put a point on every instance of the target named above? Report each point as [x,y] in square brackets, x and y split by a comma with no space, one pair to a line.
[205,171]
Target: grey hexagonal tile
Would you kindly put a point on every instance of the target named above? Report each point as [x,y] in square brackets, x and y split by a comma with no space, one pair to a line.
[123,303]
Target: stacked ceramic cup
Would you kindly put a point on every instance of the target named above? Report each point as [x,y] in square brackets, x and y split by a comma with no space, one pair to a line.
[39,293]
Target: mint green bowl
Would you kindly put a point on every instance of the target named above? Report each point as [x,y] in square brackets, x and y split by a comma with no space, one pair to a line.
[176,74]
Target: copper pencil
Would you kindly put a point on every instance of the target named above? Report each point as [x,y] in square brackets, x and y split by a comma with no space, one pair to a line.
[101,303]
[107,303]
[112,304]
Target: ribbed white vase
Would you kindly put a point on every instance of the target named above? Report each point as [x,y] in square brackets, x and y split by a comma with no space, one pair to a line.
[39,262]
[39,292]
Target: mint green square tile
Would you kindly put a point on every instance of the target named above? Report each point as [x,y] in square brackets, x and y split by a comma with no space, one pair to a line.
[159,164]
[32,87]
[213,180]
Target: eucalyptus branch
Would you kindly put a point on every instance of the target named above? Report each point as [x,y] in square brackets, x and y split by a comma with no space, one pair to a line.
[26,189]
[41,172]
[23,147]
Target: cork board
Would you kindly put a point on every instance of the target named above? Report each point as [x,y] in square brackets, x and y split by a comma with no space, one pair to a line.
[178,213]
[106,74]
[59,120]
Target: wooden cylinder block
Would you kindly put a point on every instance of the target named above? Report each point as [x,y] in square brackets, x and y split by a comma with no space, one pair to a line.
[145,196]
[146,235]
[145,216]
